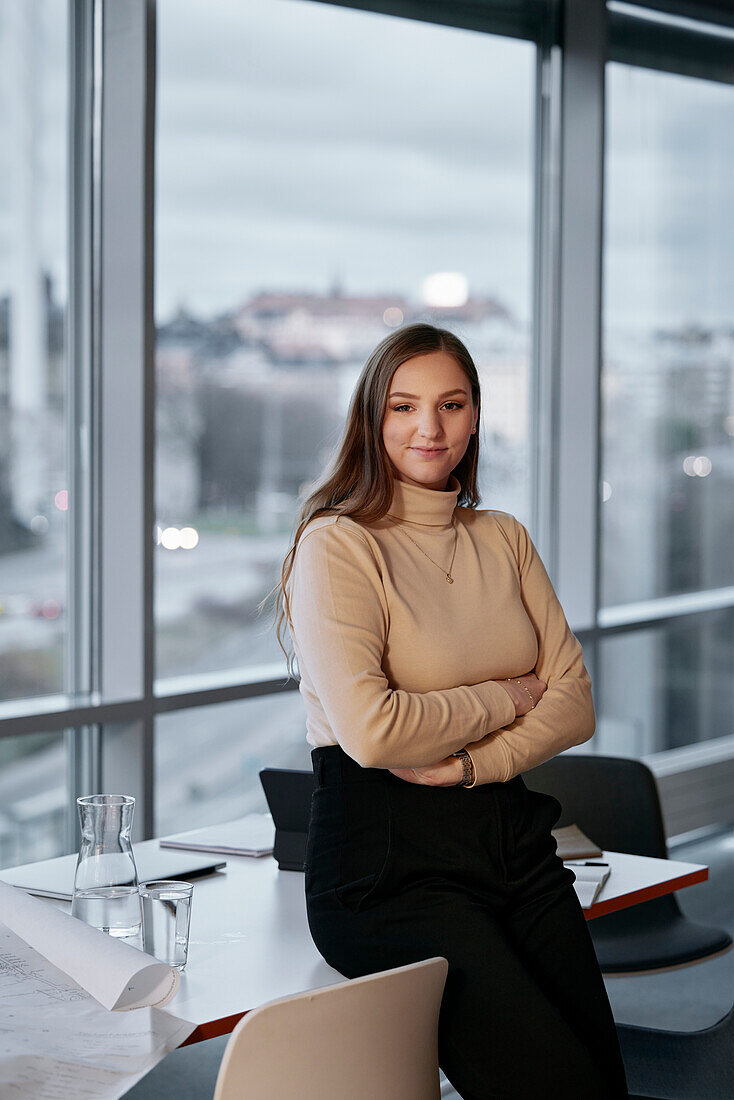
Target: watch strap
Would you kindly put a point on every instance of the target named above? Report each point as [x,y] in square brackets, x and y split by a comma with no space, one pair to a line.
[468,777]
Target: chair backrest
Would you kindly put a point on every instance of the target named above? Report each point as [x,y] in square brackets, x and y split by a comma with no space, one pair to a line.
[375,1036]
[614,800]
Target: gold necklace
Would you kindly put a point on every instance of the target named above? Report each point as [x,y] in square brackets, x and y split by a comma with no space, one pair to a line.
[448,576]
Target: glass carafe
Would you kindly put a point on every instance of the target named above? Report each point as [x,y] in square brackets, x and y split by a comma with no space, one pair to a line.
[106,880]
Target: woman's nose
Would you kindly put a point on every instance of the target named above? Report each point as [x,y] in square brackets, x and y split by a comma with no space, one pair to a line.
[429,425]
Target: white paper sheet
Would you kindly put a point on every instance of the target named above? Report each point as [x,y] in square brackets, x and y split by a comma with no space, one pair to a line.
[116,974]
[57,1042]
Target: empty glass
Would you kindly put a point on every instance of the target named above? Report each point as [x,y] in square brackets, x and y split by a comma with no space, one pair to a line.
[166,917]
[105,891]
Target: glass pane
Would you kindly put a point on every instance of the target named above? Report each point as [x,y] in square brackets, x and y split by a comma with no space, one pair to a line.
[207,759]
[33,296]
[307,200]
[665,687]
[34,801]
[668,336]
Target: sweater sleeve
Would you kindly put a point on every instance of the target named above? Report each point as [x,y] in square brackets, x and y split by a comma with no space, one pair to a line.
[564,715]
[339,623]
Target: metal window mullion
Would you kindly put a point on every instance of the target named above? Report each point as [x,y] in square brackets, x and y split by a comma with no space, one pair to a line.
[509,18]
[81,778]
[576,488]
[670,49]
[149,410]
[124,462]
[543,411]
[709,11]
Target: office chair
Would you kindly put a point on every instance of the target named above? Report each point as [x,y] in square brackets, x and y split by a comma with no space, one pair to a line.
[680,1065]
[615,801]
[375,1036]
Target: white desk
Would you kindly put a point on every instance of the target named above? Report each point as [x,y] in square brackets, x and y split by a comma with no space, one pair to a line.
[641,878]
[250,943]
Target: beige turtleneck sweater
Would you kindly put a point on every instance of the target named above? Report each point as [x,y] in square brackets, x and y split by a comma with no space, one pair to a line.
[399,667]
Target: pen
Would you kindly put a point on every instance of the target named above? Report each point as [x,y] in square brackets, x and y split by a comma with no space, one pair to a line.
[586,863]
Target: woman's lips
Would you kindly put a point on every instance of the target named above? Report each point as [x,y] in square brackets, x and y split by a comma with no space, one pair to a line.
[428,451]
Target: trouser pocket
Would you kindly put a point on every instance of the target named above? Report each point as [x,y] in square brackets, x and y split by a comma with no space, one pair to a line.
[349,843]
[534,859]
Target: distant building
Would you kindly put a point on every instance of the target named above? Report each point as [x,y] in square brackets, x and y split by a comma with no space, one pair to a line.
[304,329]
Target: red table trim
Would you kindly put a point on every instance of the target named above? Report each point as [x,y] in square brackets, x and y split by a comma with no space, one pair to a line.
[646,893]
[213,1029]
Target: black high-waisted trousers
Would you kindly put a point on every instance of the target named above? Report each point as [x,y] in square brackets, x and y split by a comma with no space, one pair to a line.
[397,872]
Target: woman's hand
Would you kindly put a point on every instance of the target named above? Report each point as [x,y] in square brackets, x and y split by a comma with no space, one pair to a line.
[446,773]
[518,692]
[450,771]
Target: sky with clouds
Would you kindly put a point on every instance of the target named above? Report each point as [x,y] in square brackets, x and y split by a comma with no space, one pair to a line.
[339,144]
[299,144]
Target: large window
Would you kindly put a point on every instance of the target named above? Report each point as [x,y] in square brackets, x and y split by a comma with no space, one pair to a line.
[667,686]
[667,446]
[236,740]
[668,378]
[34,797]
[34,497]
[190,283]
[310,198]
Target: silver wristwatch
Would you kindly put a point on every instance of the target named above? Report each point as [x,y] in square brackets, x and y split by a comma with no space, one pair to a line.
[468,777]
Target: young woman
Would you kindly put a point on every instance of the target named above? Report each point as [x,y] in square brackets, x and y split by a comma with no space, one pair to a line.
[436,666]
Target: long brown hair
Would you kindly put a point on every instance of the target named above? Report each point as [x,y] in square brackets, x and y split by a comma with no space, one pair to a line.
[358,481]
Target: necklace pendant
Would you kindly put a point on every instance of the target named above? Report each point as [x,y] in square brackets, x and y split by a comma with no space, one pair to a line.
[449,578]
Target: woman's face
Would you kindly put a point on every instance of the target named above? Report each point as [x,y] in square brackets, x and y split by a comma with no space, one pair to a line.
[428,420]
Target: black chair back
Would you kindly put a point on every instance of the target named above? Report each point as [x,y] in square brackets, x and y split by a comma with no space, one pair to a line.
[614,800]
[616,803]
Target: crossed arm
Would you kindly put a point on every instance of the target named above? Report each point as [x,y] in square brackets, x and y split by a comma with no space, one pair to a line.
[339,621]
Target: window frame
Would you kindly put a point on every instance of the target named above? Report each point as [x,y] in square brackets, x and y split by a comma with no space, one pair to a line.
[111,699]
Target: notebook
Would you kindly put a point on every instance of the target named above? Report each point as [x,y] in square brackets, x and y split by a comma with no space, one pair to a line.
[574,844]
[251,835]
[589,881]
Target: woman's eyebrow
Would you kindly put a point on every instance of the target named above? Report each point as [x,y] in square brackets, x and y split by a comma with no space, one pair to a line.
[415,395]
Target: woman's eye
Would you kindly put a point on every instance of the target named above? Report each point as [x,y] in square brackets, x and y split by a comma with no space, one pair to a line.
[456,405]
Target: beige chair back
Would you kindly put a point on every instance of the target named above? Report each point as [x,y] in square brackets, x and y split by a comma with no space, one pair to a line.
[372,1038]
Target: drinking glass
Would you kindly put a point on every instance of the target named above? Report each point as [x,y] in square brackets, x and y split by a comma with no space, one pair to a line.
[166,918]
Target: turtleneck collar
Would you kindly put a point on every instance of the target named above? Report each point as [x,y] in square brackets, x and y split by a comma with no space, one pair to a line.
[432,507]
